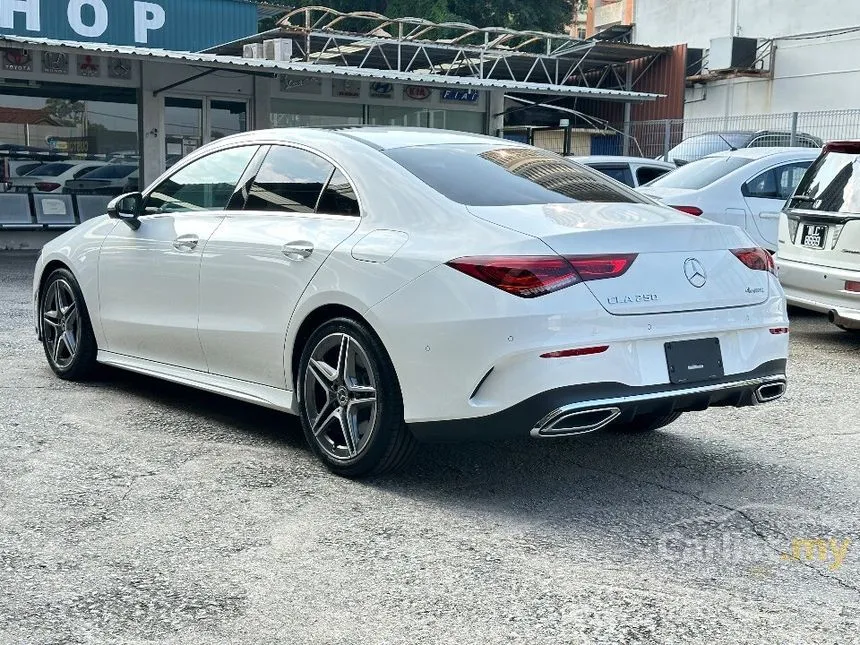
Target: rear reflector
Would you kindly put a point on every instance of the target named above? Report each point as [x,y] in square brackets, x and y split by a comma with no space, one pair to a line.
[598,267]
[852,286]
[582,351]
[530,276]
[776,331]
[526,276]
[756,259]
[690,210]
[46,186]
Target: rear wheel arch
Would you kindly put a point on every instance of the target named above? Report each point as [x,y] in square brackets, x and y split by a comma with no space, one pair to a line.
[311,322]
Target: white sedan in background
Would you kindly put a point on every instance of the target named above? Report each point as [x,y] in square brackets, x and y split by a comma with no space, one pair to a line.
[745,188]
[633,171]
[52,177]
[391,284]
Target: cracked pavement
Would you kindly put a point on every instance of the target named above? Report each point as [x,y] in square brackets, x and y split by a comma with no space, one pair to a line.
[138,511]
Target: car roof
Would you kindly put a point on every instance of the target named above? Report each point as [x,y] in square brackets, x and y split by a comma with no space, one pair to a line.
[760,153]
[658,163]
[378,137]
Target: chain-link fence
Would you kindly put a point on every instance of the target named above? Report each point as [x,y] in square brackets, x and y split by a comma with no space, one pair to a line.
[688,139]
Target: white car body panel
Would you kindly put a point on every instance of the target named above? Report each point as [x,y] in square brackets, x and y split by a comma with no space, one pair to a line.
[225,315]
[78,170]
[722,201]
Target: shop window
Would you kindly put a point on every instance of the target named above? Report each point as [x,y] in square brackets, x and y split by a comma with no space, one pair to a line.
[293,114]
[62,122]
[289,180]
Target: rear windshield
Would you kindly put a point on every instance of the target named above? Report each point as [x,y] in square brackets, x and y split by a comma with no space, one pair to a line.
[830,184]
[478,175]
[701,173]
[707,144]
[112,171]
[51,169]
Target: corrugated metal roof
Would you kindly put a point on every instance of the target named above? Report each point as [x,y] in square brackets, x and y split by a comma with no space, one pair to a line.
[336,71]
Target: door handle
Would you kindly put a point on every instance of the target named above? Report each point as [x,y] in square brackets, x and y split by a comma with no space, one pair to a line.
[186,242]
[298,250]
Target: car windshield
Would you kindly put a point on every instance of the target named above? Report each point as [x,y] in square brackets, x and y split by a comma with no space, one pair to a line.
[481,175]
[51,169]
[830,184]
[111,171]
[701,173]
[707,144]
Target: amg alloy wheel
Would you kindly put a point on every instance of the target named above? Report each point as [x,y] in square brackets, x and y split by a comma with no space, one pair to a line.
[67,335]
[351,407]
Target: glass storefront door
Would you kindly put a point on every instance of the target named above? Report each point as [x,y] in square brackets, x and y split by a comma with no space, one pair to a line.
[192,122]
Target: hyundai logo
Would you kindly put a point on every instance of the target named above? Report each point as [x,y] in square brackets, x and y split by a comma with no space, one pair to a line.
[695,272]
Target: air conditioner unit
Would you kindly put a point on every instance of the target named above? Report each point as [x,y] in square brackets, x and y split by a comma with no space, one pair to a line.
[732,52]
[279,49]
[254,50]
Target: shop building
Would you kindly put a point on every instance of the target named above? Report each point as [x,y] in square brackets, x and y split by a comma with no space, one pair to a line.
[73,89]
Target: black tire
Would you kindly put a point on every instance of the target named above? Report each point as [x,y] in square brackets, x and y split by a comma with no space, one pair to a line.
[646,423]
[67,334]
[385,444]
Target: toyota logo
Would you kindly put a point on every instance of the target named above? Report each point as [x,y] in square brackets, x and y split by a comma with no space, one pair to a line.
[695,272]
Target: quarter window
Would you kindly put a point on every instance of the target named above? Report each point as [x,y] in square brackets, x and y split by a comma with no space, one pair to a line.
[204,184]
[338,198]
[290,180]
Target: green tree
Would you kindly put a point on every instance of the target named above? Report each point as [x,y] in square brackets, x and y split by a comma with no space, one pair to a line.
[543,15]
[66,112]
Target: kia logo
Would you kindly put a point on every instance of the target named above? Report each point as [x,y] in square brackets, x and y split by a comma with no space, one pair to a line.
[417,93]
[695,272]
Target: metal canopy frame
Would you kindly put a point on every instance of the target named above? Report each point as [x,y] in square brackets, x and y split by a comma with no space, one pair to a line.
[256,66]
[366,40]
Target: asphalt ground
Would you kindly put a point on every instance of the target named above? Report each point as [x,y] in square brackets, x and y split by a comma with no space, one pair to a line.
[136,511]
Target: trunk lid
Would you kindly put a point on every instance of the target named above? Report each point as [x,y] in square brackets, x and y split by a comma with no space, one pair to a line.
[684,263]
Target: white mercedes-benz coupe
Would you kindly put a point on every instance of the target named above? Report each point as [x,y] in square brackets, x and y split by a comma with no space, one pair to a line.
[389,285]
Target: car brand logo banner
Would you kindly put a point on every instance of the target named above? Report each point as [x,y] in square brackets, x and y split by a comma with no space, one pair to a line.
[460,95]
[417,92]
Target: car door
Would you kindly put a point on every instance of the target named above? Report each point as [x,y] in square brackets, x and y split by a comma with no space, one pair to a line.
[298,208]
[148,278]
[765,195]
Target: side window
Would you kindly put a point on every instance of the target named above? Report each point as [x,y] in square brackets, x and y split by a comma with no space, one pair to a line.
[204,184]
[762,186]
[289,180]
[645,174]
[83,171]
[618,173]
[776,183]
[338,198]
[789,176]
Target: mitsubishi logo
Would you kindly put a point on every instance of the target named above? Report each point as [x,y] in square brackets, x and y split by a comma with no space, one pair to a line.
[695,272]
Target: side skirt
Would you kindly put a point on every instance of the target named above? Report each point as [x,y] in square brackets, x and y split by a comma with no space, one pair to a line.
[267,396]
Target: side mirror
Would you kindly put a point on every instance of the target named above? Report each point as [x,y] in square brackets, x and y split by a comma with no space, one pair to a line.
[127,208]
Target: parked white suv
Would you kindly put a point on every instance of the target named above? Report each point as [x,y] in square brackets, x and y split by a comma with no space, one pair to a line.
[819,237]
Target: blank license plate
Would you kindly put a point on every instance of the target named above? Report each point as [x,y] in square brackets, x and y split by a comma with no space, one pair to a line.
[694,360]
[814,236]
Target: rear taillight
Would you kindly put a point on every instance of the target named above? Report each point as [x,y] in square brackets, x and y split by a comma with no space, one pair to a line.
[756,259]
[598,267]
[579,351]
[530,276]
[46,186]
[852,286]
[526,276]
[690,210]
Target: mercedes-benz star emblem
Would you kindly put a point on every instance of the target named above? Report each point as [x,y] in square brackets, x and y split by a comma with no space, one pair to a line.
[695,272]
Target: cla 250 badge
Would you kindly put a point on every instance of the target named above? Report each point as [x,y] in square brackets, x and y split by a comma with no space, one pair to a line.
[630,300]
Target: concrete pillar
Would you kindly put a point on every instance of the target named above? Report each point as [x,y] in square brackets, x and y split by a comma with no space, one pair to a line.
[151,116]
[261,102]
[497,107]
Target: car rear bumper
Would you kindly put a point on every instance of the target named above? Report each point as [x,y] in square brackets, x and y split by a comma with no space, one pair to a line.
[822,289]
[580,409]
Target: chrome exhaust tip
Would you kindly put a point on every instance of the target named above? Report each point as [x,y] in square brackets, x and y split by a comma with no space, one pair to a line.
[769,391]
[567,424]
